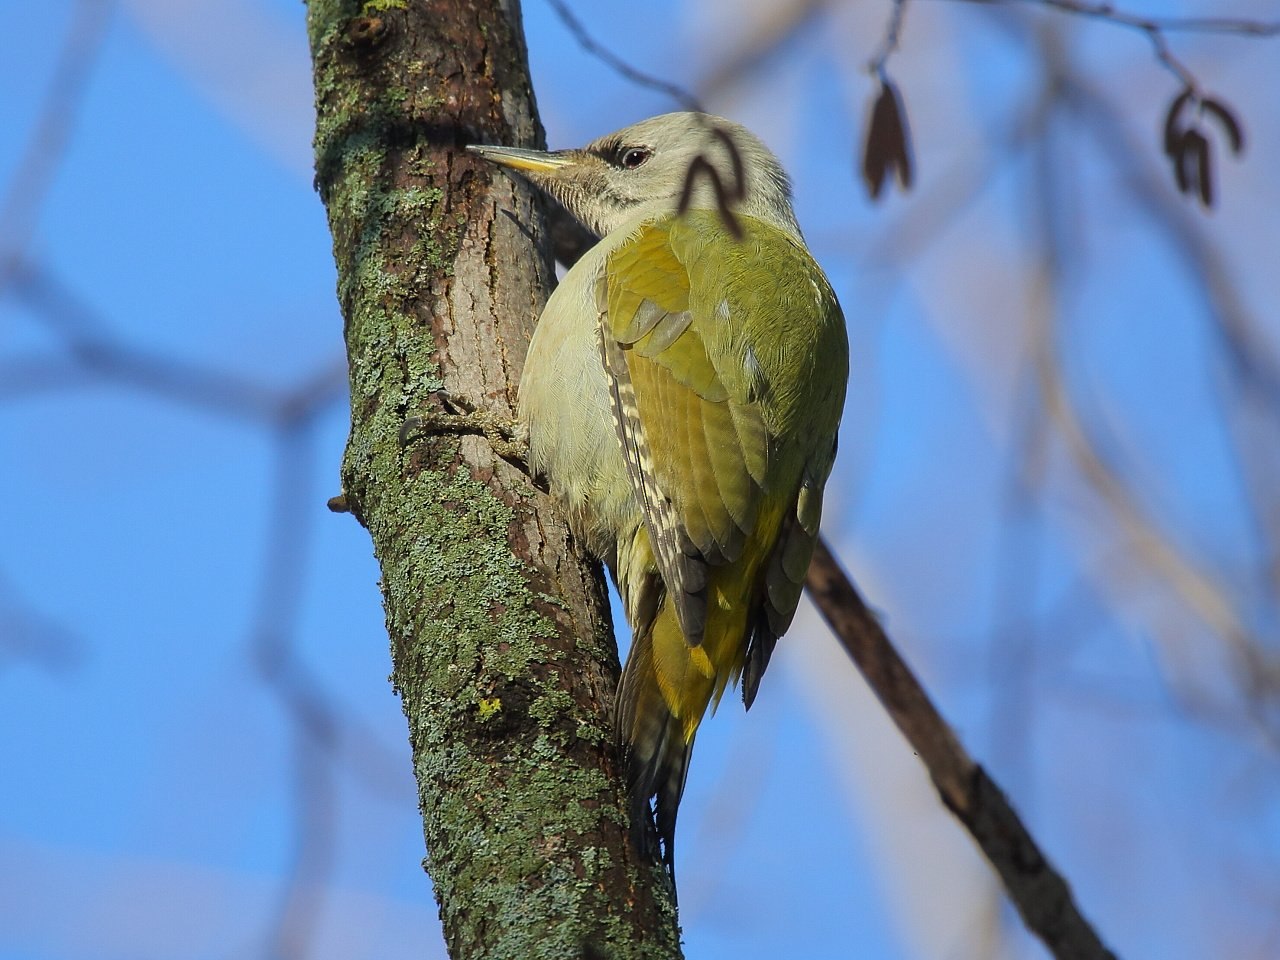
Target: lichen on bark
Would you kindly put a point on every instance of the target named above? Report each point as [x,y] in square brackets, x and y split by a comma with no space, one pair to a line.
[502,650]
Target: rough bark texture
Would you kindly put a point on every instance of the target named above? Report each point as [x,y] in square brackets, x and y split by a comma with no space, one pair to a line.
[500,634]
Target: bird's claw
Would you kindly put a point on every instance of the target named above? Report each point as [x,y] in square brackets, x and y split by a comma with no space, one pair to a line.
[507,437]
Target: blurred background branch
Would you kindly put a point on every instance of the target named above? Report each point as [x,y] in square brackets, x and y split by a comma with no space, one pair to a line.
[1058,481]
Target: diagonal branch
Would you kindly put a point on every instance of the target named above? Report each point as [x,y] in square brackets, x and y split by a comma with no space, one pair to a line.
[1040,893]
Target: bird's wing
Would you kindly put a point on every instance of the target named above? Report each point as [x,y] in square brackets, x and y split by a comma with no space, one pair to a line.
[682,380]
[787,568]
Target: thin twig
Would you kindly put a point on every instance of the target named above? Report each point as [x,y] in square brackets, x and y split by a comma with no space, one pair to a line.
[96,353]
[315,720]
[889,44]
[1154,28]
[1109,12]
[30,183]
[617,64]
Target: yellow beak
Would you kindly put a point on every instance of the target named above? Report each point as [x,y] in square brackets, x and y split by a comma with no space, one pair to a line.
[532,161]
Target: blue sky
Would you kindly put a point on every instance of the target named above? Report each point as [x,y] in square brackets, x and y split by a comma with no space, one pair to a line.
[157,793]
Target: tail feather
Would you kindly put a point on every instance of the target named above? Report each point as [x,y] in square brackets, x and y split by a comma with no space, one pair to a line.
[668,682]
[760,649]
[657,717]
[669,791]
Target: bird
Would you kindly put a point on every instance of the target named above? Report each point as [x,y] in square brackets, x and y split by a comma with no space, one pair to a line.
[682,397]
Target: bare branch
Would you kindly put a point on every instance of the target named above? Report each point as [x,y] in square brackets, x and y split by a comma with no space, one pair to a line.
[606,56]
[1109,12]
[1039,892]
[1154,28]
[96,353]
[29,186]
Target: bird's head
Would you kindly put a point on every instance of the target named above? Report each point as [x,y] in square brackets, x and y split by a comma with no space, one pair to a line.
[645,169]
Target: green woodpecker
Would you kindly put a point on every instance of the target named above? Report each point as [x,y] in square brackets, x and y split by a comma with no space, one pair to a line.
[682,395]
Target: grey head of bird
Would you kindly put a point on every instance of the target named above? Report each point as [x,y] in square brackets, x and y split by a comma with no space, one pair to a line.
[641,171]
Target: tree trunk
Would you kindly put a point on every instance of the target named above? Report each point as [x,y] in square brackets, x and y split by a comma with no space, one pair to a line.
[501,644]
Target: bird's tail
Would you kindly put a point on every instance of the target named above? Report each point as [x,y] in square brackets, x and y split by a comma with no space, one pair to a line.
[666,686]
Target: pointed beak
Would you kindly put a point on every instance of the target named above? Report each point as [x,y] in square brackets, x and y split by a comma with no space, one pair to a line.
[529,161]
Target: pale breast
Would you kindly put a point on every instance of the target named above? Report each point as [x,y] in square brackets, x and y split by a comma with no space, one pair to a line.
[564,404]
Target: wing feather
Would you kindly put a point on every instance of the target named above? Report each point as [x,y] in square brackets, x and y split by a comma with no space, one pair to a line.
[697,389]
[684,574]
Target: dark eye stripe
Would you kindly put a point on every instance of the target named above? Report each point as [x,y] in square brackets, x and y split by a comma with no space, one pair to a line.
[616,154]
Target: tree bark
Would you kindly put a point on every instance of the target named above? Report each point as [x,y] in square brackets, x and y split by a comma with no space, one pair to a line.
[501,643]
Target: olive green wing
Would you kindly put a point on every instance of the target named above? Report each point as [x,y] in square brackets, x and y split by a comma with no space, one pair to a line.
[696,446]
[788,566]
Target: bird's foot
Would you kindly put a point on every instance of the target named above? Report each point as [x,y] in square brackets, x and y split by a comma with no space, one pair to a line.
[507,437]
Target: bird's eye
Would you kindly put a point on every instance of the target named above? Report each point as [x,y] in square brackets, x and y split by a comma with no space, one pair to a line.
[633,157]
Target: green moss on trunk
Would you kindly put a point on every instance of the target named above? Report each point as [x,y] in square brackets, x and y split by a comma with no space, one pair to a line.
[501,646]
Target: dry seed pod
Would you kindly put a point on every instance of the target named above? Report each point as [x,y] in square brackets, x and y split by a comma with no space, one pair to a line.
[1186,160]
[887,146]
[1206,171]
[1172,129]
[1229,121]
